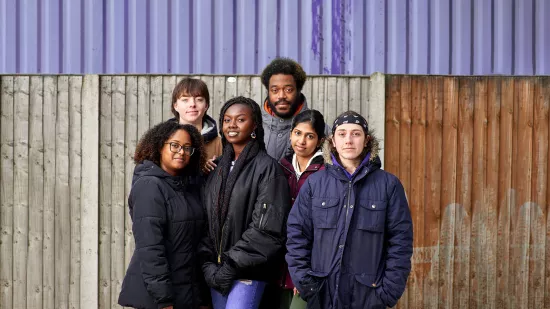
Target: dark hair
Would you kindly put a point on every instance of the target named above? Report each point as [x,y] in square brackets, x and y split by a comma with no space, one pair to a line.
[189,86]
[285,66]
[256,117]
[314,117]
[153,140]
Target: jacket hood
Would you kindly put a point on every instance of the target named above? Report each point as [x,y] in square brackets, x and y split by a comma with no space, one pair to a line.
[374,145]
[317,159]
[209,128]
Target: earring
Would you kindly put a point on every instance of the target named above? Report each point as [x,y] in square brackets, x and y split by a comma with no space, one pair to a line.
[253,134]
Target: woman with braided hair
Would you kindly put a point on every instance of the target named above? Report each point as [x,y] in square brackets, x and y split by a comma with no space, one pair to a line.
[247,201]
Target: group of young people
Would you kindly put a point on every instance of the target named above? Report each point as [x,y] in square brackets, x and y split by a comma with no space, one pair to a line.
[268,208]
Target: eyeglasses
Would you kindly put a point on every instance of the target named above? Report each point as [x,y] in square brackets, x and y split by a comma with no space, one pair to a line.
[175,148]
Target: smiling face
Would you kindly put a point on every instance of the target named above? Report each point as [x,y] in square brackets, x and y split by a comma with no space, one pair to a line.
[350,140]
[238,124]
[191,109]
[283,95]
[174,163]
[304,140]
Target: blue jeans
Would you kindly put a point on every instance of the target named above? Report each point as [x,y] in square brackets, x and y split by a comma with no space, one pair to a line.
[245,294]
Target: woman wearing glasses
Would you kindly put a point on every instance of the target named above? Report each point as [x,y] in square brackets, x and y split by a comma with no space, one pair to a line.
[167,219]
[247,201]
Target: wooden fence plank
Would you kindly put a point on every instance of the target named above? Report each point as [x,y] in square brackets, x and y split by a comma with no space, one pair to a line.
[522,183]
[217,94]
[62,197]
[50,116]
[256,90]
[479,211]
[118,198]
[506,196]
[6,191]
[461,280]
[547,209]
[330,108]
[89,192]
[393,117]
[492,187]
[155,105]
[36,194]
[318,97]
[144,96]
[105,152]
[365,105]
[21,191]
[306,91]
[75,173]
[448,191]
[168,84]
[434,156]
[416,189]
[537,243]
[230,88]
[355,97]
[212,110]
[342,95]
[243,86]
[130,142]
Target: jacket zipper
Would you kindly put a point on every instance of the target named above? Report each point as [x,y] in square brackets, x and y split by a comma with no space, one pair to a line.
[264,210]
[220,251]
[349,199]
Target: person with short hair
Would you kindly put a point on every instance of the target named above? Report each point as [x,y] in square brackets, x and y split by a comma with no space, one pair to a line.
[350,236]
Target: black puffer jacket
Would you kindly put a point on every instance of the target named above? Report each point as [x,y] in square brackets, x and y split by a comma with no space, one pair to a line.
[168,220]
[254,235]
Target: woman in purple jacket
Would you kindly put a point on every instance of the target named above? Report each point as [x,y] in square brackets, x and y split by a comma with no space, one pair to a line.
[307,134]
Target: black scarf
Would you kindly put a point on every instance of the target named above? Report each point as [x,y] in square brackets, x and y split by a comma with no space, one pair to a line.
[228,178]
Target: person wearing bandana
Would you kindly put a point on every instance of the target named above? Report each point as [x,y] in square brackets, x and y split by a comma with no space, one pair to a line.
[350,233]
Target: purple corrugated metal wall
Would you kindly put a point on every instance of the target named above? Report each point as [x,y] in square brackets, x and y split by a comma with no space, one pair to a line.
[465,37]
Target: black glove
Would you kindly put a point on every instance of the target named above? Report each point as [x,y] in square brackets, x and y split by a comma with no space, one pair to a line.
[210,269]
[311,286]
[224,278]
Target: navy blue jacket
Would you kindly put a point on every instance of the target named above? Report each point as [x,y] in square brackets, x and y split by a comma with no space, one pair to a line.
[350,242]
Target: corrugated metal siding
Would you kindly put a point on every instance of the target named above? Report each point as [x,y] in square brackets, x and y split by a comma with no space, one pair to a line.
[465,37]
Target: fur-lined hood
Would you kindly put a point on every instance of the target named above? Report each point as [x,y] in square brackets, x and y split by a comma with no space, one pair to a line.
[373,146]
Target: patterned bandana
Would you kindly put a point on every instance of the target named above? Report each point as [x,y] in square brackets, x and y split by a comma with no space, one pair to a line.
[353,119]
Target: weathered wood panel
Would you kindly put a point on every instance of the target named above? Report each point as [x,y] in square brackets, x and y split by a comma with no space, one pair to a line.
[479,198]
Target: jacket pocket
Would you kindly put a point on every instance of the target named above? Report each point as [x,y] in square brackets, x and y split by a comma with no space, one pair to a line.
[313,289]
[324,213]
[270,218]
[372,215]
[364,292]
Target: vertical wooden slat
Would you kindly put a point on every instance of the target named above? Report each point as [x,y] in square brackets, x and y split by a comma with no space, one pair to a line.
[21,191]
[105,146]
[213,111]
[506,196]
[547,209]
[243,86]
[49,132]
[7,107]
[217,94]
[130,142]
[230,88]
[448,191]
[539,192]
[89,203]
[393,117]
[365,97]
[36,194]
[434,142]
[256,90]
[355,97]
[342,95]
[318,97]
[416,189]
[374,111]
[306,91]
[461,280]
[118,198]
[522,183]
[75,160]
[62,197]
[168,84]
[144,96]
[330,98]
[155,106]
[479,211]
[492,187]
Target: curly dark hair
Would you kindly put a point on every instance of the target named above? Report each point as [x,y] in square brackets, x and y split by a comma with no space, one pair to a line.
[256,117]
[153,140]
[285,66]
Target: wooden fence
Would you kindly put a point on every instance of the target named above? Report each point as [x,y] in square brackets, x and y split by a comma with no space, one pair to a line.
[65,171]
[472,153]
